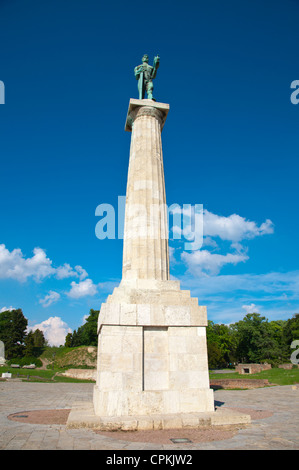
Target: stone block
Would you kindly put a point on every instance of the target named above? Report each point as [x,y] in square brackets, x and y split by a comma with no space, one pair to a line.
[143,314]
[190,421]
[109,345]
[177,315]
[177,345]
[131,340]
[132,381]
[145,424]
[6,375]
[157,315]
[104,361]
[172,423]
[128,314]
[187,362]
[110,380]
[158,380]
[171,401]
[158,423]
[123,362]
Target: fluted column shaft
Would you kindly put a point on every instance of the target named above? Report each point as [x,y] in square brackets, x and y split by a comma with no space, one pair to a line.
[145,252]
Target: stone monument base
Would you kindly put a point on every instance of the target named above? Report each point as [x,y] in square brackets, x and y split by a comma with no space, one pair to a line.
[83,415]
[152,352]
[139,403]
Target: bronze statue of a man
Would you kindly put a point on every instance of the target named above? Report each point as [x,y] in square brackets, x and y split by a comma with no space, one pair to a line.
[145,73]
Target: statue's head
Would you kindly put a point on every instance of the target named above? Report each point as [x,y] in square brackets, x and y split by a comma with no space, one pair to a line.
[145,58]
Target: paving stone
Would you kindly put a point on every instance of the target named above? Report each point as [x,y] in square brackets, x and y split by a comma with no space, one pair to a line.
[279,431]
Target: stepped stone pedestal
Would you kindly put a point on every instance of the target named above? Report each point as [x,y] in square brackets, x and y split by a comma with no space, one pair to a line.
[152,351]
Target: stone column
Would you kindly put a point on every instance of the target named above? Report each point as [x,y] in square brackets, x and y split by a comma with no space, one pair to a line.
[152,350]
[145,253]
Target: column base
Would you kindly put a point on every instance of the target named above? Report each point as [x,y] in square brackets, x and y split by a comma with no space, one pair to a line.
[151,303]
[126,403]
[152,352]
[83,415]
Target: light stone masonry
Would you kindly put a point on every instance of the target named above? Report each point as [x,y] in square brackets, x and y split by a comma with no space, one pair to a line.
[152,351]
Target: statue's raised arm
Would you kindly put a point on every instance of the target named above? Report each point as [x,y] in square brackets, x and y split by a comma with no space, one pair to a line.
[155,66]
[145,73]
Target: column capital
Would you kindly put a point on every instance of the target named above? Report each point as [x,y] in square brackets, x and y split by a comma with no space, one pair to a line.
[145,107]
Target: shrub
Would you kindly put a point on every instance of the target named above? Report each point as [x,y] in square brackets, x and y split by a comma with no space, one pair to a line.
[26,361]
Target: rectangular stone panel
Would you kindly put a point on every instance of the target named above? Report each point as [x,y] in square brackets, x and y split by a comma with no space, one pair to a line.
[155,358]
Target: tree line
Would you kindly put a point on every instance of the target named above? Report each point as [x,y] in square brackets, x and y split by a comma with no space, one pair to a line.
[18,342]
[253,339]
[21,343]
[85,335]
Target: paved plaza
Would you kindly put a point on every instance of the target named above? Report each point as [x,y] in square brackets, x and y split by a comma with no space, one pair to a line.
[279,431]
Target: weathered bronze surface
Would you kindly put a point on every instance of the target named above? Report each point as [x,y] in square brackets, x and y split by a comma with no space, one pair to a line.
[145,74]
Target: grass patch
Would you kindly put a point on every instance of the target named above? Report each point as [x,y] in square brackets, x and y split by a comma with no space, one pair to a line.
[39,375]
[69,358]
[61,378]
[23,373]
[50,351]
[275,376]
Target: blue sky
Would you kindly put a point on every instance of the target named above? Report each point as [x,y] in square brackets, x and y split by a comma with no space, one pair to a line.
[230,143]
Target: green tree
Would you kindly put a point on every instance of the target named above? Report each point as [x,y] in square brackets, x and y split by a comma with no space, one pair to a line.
[277,332]
[76,340]
[29,344]
[255,339]
[290,333]
[68,340]
[34,343]
[39,339]
[86,335]
[221,345]
[291,329]
[88,331]
[13,327]
[215,356]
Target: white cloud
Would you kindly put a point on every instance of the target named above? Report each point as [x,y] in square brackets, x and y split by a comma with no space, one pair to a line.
[54,329]
[208,241]
[202,261]
[13,265]
[66,270]
[5,309]
[50,298]
[229,298]
[81,272]
[234,227]
[266,286]
[252,308]
[171,255]
[82,289]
